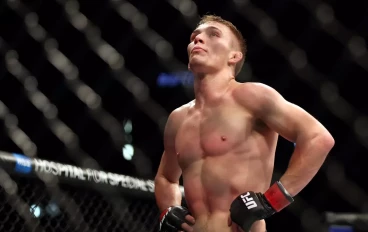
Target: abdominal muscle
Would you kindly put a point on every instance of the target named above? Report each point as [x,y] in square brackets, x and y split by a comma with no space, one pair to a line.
[212,183]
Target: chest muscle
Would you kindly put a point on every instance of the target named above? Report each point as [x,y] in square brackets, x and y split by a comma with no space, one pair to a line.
[214,134]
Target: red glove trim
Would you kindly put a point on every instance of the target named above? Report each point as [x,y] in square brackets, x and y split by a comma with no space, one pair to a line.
[278,197]
[162,215]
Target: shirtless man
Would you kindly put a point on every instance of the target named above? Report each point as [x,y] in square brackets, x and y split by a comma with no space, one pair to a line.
[223,143]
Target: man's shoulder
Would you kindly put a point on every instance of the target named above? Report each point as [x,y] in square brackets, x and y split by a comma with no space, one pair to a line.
[185,107]
[253,95]
[181,111]
[176,117]
[252,88]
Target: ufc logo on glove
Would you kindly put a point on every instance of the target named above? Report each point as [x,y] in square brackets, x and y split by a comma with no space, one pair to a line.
[249,202]
[251,206]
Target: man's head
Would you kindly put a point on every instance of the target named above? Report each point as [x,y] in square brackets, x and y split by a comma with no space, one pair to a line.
[216,43]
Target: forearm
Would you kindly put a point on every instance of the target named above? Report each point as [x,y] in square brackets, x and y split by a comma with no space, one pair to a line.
[167,193]
[307,159]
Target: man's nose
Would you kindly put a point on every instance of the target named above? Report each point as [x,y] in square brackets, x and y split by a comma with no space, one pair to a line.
[198,39]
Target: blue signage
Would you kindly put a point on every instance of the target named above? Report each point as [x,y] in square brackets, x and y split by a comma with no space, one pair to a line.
[23,164]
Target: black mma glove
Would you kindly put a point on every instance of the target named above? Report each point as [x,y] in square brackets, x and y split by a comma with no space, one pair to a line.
[172,218]
[250,207]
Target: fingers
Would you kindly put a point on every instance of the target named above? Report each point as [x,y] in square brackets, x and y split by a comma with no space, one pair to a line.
[186,227]
[189,219]
[229,222]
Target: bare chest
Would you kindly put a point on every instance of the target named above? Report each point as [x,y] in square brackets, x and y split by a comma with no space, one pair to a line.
[215,134]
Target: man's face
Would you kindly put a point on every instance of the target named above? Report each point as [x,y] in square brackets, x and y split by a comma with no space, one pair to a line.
[210,47]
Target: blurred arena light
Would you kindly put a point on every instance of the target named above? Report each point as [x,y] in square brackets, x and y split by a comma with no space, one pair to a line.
[17,135]
[188,10]
[128,138]
[340,228]
[132,83]
[42,103]
[128,151]
[52,209]
[184,78]
[128,127]
[167,80]
[10,188]
[157,43]
[325,16]
[71,73]
[36,210]
[149,37]
[299,60]
[92,207]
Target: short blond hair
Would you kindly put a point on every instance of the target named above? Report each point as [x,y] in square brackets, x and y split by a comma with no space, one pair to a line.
[241,41]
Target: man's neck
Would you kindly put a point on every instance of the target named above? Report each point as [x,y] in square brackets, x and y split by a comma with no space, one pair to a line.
[208,88]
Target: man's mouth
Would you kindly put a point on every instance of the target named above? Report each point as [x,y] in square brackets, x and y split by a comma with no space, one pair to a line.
[195,49]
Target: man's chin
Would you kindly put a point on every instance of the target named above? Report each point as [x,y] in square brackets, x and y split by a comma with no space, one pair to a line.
[197,66]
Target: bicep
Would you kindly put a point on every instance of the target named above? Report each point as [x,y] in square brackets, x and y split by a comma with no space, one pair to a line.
[169,167]
[289,120]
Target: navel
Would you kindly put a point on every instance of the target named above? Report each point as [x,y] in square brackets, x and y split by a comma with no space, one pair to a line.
[223,138]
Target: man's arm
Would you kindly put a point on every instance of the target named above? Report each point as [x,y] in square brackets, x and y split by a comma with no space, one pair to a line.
[167,190]
[313,141]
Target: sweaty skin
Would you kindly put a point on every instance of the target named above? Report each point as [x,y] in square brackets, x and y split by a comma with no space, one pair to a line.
[223,150]
[223,143]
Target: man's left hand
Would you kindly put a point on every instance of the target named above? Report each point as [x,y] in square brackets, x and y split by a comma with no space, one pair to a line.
[250,206]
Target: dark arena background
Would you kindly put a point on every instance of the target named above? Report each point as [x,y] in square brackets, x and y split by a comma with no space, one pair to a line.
[86,88]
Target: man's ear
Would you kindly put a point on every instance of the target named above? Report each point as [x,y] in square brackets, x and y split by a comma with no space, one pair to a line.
[235,57]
